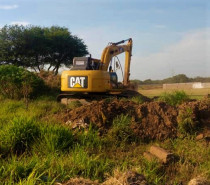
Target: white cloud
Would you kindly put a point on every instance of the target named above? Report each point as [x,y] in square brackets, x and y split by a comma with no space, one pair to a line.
[8,7]
[190,56]
[23,23]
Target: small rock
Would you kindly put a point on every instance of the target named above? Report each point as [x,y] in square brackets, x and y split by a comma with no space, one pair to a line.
[68,122]
[134,178]
[199,181]
[128,178]
[81,181]
[77,124]
[199,137]
[165,156]
[149,156]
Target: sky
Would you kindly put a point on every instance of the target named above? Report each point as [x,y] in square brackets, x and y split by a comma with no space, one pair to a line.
[170,37]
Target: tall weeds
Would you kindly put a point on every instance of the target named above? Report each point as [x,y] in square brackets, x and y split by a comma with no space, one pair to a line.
[174,98]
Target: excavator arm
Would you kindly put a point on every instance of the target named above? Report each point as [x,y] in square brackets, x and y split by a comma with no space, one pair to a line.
[115,49]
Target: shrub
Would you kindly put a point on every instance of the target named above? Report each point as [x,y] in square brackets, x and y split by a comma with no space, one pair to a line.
[17,82]
[19,135]
[174,98]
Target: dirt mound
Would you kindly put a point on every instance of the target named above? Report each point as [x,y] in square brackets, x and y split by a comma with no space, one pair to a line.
[157,120]
[198,111]
[101,113]
[151,120]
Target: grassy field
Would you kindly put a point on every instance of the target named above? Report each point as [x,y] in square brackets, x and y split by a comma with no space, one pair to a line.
[157,90]
[37,148]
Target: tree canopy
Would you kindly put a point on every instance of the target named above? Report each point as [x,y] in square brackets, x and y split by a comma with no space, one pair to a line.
[38,47]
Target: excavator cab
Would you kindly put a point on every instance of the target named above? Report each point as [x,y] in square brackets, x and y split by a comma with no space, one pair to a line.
[85,63]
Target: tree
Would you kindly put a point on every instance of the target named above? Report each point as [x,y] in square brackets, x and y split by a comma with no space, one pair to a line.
[11,44]
[180,78]
[38,47]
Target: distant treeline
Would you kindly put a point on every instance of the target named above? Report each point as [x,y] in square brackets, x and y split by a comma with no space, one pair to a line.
[181,78]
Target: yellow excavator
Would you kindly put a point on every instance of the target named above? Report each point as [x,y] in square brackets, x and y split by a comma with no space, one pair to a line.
[91,78]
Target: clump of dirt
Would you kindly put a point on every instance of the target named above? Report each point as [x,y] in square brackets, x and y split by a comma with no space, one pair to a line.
[119,178]
[126,178]
[81,181]
[198,111]
[157,120]
[151,120]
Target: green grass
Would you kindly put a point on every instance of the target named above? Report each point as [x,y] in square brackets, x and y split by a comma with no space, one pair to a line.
[186,124]
[138,99]
[55,139]
[174,98]
[18,136]
[121,134]
[36,148]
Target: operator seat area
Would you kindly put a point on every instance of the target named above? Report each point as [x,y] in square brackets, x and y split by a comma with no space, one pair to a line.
[85,63]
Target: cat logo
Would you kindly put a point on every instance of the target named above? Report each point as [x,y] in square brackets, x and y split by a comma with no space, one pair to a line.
[78,81]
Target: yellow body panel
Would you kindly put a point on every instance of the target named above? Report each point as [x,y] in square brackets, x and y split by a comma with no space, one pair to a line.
[85,81]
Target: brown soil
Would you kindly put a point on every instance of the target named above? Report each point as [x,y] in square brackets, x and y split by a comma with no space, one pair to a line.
[200,113]
[200,110]
[101,113]
[157,120]
[80,181]
[150,120]
[119,178]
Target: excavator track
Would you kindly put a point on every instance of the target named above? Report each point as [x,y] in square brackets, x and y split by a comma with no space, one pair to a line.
[67,98]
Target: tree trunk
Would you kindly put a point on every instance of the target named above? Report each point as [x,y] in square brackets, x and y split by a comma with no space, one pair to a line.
[57,67]
[38,67]
[34,69]
[49,67]
[56,71]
